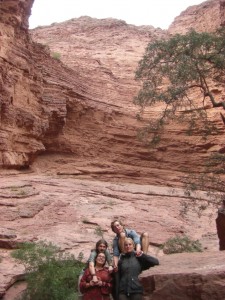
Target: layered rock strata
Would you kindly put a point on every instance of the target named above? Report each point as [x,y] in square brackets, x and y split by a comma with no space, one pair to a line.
[207,16]
[66,94]
[77,111]
[73,214]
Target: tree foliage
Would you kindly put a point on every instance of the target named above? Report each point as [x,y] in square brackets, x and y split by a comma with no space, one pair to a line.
[211,180]
[51,274]
[172,68]
[180,244]
[181,76]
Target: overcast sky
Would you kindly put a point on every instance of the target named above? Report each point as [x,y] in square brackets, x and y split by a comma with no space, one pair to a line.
[159,13]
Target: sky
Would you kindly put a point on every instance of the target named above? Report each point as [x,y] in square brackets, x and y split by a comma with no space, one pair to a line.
[158,13]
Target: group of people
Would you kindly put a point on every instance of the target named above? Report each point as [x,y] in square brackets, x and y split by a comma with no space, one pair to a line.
[116,277]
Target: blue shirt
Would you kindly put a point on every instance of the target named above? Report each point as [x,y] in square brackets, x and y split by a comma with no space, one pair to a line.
[129,233]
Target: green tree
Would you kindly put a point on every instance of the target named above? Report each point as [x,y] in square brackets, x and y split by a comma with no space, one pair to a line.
[56,55]
[180,244]
[171,69]
[51,274]
[181,75]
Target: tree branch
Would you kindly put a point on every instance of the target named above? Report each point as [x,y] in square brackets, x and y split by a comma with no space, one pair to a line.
[214,103]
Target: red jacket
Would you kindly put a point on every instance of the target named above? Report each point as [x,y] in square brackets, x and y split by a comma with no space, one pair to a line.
[96,292]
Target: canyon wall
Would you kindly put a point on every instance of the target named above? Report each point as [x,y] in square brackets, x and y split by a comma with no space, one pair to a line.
[68,124]
[207,16]
[67,99]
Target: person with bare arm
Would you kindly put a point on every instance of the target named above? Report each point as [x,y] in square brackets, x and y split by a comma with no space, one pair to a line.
[141,242]
[100,289]
[101,246]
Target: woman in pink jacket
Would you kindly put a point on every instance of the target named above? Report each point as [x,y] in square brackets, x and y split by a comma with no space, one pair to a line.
[101,289]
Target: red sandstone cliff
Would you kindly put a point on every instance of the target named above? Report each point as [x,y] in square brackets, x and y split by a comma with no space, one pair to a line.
[81,105]
[75,116]
[107,52]
[203,17]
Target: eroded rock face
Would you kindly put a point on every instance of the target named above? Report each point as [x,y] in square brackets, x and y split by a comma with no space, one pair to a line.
[222,12]
[101,134]
[220,225]
[16,13]
[206,16]
[83,108]
[25,118]
[74,117]
[186,276]
[75,213]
